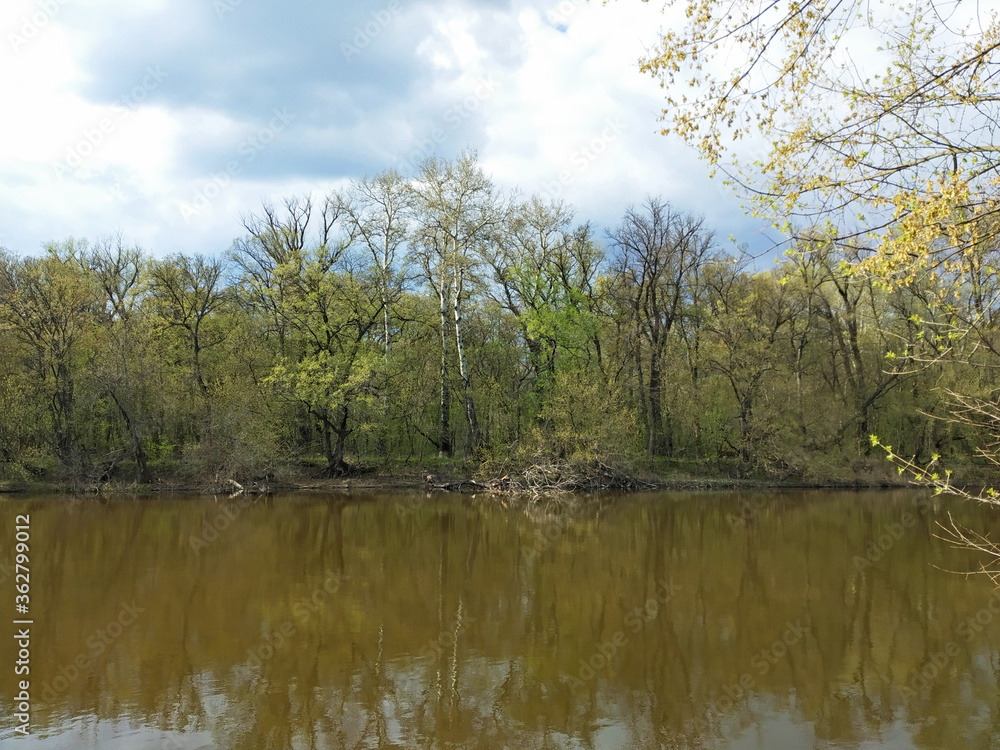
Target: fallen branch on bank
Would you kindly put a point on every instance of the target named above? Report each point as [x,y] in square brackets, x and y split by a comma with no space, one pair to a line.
[547,475]
[461,485]
[253,487]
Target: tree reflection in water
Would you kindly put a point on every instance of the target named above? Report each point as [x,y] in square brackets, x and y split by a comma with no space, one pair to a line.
[461,624]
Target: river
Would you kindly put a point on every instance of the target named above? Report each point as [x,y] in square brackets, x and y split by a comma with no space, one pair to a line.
[744,621]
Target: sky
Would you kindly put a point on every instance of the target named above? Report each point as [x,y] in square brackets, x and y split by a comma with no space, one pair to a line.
[168,120]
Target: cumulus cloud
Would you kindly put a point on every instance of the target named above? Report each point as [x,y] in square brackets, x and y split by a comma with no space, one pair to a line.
[168,120]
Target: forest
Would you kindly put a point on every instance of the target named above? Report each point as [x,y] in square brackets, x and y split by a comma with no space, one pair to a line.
[436,320]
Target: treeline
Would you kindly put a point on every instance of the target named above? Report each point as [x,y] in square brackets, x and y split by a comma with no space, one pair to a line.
[405,318]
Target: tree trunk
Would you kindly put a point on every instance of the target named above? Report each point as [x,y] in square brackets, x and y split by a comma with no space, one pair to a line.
[746,413]
[643,406]
[696,391]
[135,442]
[444,439]
[799,394]
[327,440]
[334,440]
[196,346]
[386,323]
[473,438]
[337,465]
[62,412]
[657,442]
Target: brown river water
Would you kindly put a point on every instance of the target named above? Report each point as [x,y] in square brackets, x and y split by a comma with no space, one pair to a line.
[738,621]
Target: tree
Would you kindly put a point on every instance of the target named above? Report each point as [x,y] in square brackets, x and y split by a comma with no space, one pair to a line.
[692,329]
[749,319]
[890,149]
[893,146]
[656,250]
[851,307]
[544,273]
[378,211]
[309,280]
[188,293]
[457,208]
[49,304]
[123,365]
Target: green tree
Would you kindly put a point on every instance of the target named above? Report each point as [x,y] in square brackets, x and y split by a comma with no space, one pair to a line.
[749,318]
[49,305]
[458,208]
[378,212]
[188,293]
[890,149]
[544,272]
[894,145]
[329,298]
[123,365]
[855,318]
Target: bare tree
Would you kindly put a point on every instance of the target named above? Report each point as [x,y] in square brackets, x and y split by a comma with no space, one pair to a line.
[123,367]
[656,249]
[378,211]
[187,293]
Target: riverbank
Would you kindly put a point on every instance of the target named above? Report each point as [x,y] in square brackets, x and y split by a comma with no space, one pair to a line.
[455,475]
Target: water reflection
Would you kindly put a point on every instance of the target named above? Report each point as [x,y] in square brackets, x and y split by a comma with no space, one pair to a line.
[789,620]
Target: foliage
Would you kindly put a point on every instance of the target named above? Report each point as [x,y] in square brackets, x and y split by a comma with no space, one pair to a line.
[875,118]
[333,334]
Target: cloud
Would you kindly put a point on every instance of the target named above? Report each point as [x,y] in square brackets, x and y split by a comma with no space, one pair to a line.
[175,101]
